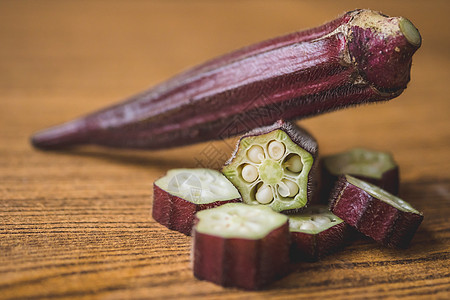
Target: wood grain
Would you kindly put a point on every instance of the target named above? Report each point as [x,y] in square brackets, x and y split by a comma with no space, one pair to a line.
[77,224]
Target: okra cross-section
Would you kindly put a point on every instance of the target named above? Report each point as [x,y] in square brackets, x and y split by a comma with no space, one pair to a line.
[182,192]
[274,166]
[240,245]
[315,232]
[374,212]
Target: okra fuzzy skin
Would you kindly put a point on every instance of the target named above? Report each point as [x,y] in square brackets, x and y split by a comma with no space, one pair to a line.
[312,247]
[389,181]
[373,217]
[360,57]
[242,263]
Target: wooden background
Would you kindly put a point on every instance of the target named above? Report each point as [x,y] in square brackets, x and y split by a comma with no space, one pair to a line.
[78,224]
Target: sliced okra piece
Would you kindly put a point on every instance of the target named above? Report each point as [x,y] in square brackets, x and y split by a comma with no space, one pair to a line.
[375,212]
[376,167]
[182,192]
[316,232]
[239,245]
[275,166]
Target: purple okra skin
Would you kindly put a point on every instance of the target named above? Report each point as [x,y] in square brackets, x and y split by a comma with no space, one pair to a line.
[374,212]
[361,57]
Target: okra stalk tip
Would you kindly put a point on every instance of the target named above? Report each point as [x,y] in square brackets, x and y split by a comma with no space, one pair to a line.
[410,32]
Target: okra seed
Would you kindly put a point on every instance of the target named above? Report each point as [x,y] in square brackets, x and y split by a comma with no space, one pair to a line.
[283,189]
[264,195]
[308,226]
[321,220]
[294,164]
[287,188]
[256,154]
[276,149]
[249,173]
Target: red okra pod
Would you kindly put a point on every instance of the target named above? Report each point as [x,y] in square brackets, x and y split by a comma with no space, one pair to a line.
[363,56]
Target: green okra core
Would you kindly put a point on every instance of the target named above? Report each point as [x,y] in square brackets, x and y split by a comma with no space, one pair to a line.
[271,172]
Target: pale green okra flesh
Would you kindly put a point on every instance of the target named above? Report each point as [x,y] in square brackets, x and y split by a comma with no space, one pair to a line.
[313,220]
[239,220]
[360,161]
[282,168]
[199,186]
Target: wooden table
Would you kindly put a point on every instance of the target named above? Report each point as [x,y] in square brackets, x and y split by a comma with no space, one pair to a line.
[77,224]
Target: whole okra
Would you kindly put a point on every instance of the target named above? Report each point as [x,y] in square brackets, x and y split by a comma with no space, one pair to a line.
[362,56]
